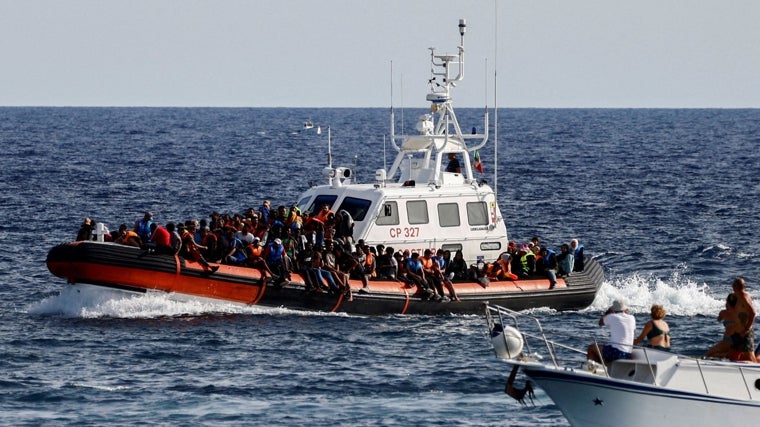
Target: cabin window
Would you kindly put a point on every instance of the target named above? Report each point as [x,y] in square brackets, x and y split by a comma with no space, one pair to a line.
[320,200]
[357,208]
[302,203]
[477,213]
[416,212]
[448,214]
[388,214]
[490,246]
[451,247]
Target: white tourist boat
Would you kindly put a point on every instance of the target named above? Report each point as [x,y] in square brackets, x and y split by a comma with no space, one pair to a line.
[654,388]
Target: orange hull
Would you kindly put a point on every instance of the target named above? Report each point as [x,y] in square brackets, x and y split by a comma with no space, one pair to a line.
[129,268]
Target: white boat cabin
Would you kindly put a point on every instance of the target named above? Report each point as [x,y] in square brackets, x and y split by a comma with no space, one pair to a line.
[417,204]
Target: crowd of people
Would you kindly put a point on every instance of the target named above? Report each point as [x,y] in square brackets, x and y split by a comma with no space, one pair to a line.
[737,344]
[320,247]
[532,259]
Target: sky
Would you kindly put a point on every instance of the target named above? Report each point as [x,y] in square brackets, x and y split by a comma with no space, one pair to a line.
[349,53]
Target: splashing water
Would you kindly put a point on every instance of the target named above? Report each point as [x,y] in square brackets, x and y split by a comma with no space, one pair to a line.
[678,294]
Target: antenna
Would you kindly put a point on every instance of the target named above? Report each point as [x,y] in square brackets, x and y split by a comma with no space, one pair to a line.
[495,101]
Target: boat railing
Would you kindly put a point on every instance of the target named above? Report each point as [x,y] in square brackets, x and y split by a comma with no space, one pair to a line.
[655,363]
[500,315]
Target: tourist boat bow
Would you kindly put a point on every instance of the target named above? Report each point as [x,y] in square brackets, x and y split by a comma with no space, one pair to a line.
[418,203]
[654,388]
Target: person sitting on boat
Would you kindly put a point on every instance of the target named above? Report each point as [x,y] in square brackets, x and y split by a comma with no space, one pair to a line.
[622,329]
[387,265]
[276,259]
[348,263]
[457,269]
[656,331]
[577,249]
[330,263]
[565,261]
[294,220]
[548,265]
[261,230]
[264,211]
[344,227]
[731,325]
[128,237]
[453,166]
[255,257]
[191,250]
[415,274]
[324,214]
[440,265]
[85,230]
[434,280]
[174,238]
[160,240]
[743,341]
[235,249]
[210,240]
[244,235]
[369,266]
[526,262]
[142,226]
[319,274]
[501,269]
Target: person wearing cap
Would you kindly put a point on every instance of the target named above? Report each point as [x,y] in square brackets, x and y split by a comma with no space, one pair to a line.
[276,260]
[622,331]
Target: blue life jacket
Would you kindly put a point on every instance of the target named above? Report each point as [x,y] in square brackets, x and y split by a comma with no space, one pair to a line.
[239,254]
[274,253]
[143,229]
[578,250]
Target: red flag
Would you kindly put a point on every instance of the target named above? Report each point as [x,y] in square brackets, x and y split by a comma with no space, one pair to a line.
[477,164]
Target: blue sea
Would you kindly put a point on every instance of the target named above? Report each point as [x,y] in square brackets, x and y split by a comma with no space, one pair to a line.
[667,200]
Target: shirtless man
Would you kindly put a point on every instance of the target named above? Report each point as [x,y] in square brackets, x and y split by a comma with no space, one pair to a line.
[743,342]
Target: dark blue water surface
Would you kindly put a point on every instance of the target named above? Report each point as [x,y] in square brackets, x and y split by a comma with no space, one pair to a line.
[667,200]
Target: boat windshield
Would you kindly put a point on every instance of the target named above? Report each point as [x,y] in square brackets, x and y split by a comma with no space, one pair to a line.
[357,208]
[321,200]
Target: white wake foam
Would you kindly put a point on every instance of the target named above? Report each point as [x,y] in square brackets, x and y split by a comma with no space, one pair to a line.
[678,294]
[95,302]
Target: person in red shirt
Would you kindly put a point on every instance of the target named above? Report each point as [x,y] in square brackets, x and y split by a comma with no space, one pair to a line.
[160,239]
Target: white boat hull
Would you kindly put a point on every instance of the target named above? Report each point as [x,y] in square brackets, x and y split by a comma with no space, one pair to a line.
[590,400]
[651,388]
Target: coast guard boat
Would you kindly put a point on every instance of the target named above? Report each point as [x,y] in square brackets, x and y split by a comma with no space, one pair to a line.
[653,388]
[417,204]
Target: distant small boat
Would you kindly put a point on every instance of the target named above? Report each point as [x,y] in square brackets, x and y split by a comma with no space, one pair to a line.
[308,125]
[653,388]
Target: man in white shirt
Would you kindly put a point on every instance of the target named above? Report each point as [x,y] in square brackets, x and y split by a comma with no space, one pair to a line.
[622,330]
